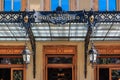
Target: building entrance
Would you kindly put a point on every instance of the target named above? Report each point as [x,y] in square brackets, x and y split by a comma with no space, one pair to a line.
[60,63]
[108,64]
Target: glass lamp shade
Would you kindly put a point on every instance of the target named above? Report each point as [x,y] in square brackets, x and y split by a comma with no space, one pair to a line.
[26,55]
[93,55]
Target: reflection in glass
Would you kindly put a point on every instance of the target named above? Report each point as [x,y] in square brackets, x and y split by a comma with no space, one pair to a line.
[59,74]
[103,73]
[60,60]
[11,61]
[18,75]
[5,74]
[109,60]
[115,74]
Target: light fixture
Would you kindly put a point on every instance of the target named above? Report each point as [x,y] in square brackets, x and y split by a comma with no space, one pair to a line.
[26,55]
[93,54]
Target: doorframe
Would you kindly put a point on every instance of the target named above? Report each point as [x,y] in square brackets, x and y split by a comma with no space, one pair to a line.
[111,71]
[12,51]
[61,50]
[109,66]
[24,72]
[106,51]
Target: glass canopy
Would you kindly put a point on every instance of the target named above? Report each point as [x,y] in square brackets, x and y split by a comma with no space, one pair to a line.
[66,32]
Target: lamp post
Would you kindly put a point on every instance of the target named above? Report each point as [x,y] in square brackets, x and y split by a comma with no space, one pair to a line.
[26,55]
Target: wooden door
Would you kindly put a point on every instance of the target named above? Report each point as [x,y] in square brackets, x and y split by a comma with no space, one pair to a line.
[60,62]
[60,67]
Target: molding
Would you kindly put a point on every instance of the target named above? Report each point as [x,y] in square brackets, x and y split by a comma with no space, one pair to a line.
[108,49]
[59,49]
[11,49]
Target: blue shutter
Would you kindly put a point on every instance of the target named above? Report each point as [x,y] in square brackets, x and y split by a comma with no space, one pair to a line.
[65,5]
[54,4]
[7,5]
[102,5]
[112,5]
[17,5]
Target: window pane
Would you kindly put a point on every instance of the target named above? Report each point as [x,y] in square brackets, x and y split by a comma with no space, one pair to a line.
[59,73]
[104,71]
[115,74]
[109,60]
[17,5]
[60,60]
[64,4]
[112,5]
[102,5]
[18,75]
[11,61]
[7,5]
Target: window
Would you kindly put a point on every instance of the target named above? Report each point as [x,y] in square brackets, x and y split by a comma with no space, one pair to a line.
[14,5]
[109,5]
[17,5]
[10,5]
[64,4]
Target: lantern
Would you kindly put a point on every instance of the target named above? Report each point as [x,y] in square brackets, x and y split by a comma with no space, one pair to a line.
[93,55]
[26,55]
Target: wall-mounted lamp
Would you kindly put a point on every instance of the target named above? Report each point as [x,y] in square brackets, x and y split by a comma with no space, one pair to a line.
[93,54]
[26,55]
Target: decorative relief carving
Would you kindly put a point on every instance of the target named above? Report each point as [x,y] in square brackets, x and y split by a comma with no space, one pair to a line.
[60,49]
[109,49]
[11,49]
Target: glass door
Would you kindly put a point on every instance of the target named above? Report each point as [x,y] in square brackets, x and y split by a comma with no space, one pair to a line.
[5,72]
[59,73]
[115,74]
[60,67]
